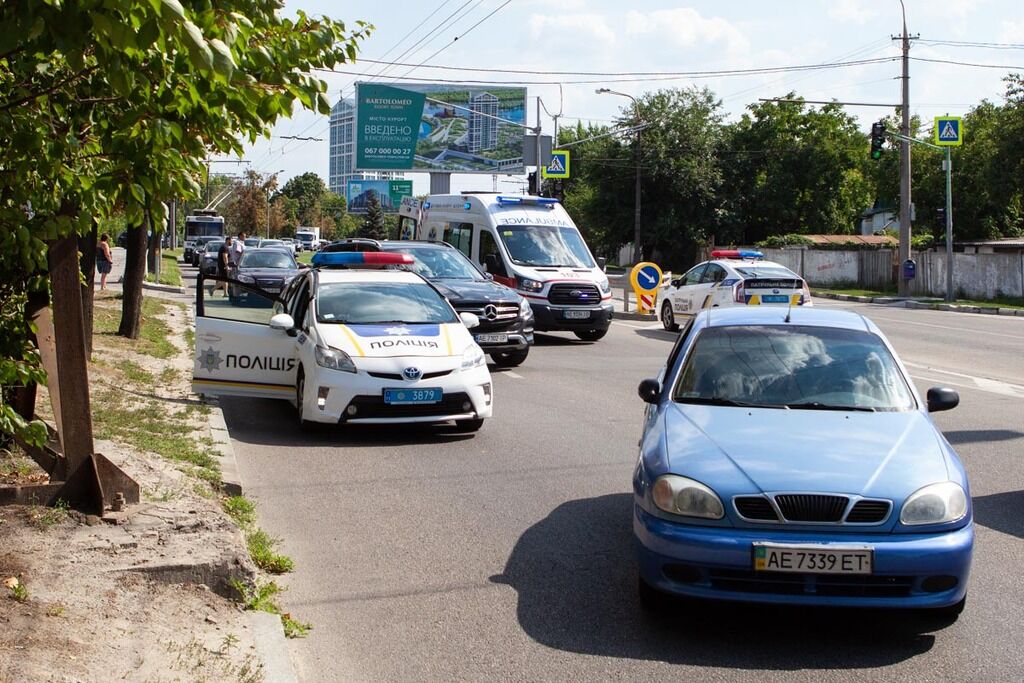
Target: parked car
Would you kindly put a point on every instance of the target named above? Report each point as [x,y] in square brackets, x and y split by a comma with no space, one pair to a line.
[290,241]
[732,278]
[208,257]
[275,244]
[786,457]
[199,246]
[269,269]
[253,242]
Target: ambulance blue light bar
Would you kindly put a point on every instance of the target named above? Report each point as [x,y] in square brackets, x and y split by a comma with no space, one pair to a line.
[541,201]
[354,259]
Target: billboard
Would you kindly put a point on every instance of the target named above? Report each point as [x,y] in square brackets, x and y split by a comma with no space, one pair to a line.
[390,192]
[446,128]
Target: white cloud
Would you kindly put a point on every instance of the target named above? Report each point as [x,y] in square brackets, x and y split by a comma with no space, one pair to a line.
[1012,32]
[850,11]
[686,27]
[556,27]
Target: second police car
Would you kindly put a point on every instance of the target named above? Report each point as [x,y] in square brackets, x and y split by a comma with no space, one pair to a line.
[347,343]
[732,278]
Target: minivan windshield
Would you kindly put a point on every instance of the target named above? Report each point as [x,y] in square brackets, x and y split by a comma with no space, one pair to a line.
[545,245]
[383,302]
[794,367]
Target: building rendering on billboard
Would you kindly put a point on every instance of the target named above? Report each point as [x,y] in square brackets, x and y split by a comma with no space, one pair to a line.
[389,192]
[444,128]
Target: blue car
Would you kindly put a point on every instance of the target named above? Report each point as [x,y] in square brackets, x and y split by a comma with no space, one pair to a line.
[787,458]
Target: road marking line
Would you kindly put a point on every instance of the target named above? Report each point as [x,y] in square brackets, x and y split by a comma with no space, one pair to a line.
[642,326]
[511,374]
[874,317]
[983,383]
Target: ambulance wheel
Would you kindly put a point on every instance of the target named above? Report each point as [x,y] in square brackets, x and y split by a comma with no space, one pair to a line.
[509,359]
[468,426]
[590,335]
[300,391]
[668,318]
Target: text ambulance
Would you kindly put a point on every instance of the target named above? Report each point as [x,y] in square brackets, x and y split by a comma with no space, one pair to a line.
[528,243]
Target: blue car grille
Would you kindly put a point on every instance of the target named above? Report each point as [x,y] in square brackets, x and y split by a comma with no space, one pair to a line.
[749,581]
[756,508]
[868,512]
[814,507]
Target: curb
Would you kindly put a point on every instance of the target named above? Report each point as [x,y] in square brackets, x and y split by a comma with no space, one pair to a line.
[153,287]
[231,481]
[629,315]
[923,305]
[273,647]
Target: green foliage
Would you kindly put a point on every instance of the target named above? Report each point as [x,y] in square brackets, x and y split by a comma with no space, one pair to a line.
[787,240]
[241,510]
[111,107]
[307,192]
[262,597]
[262,550]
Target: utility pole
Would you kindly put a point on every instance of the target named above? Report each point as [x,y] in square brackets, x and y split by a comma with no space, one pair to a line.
[903,284]
[537,180]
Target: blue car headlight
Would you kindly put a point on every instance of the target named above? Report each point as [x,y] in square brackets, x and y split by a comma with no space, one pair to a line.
[683,496]
[935,504]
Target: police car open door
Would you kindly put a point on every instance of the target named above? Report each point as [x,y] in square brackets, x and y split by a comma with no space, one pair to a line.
[237,352]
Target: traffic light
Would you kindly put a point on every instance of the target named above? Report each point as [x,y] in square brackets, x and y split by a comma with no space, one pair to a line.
[532,180]
[877,139]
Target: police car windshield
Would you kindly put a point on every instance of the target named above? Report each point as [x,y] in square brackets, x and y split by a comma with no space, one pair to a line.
[545,245]
[366,303]
[441,263]
[765,271]
[793,366]
[267,259]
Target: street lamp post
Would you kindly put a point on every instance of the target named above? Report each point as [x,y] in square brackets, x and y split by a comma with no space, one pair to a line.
[637,250]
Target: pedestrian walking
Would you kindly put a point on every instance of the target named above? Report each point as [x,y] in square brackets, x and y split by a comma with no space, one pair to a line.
[224,265]
[104,259]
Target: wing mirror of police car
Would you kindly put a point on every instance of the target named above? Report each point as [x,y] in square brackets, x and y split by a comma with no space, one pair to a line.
[649,390]
[283,322]
[942,398]
[677,282]
[470,320]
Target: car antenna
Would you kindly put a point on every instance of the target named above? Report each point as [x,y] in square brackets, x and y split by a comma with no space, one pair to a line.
[789,311]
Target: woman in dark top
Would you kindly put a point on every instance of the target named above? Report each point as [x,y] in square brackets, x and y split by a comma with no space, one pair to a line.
[104,259]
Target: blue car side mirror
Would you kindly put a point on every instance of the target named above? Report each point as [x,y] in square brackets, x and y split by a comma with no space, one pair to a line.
[942,398]
[649,390]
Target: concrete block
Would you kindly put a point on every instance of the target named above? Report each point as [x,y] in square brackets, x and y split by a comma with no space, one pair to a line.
[273,648]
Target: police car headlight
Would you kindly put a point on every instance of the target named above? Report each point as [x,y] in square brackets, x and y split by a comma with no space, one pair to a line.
[524,309]
[528,285]
[683,496]
[334,359]
[473,357]
[935,504]
[606,287]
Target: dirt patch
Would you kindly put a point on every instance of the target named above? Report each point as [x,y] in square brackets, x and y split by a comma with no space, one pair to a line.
[142,598]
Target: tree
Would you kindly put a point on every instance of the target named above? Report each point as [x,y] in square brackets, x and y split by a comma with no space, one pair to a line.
[307,190]
[373,226]
[115,105]
[249,202]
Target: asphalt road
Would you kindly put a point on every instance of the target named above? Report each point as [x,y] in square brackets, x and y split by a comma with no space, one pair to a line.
[425,555]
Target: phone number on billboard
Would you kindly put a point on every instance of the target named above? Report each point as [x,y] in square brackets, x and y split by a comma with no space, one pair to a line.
[387,151]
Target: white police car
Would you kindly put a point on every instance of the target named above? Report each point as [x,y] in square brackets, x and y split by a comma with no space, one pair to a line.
[732,278]
[347,344]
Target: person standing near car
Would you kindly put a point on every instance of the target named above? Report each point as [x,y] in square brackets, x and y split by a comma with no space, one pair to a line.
[237,250]
[104,259]
[224,265]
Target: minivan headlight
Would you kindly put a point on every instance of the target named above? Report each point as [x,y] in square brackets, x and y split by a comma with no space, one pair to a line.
[334,359]
[473,357]
[528,285]
[935,504]
[684,496]
[606,287]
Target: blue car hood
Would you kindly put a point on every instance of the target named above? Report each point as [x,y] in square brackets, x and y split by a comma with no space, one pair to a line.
[743,450]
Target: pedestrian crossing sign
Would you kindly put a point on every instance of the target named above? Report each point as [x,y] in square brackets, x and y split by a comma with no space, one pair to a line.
[558,166]
[949,131]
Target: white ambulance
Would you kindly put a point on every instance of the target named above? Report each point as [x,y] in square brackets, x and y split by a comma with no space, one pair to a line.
[527,243]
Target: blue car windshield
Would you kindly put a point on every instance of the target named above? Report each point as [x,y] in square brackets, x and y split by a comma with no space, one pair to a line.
[794,367]
[382,302]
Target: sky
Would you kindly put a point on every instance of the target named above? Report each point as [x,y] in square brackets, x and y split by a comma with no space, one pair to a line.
[611,36]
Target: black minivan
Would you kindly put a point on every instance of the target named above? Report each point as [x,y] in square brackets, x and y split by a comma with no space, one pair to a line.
[506,320]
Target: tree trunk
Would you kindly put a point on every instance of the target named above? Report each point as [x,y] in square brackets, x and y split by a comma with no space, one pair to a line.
[134,274]
[87,262]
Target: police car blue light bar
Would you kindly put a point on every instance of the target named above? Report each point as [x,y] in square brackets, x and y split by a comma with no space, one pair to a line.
[352,259]
[736,253]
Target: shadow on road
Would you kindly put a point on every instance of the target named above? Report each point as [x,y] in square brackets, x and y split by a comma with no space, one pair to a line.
[574,572]
[271,422]
[1001,511]
[660,335]
[962,436]
[546,339]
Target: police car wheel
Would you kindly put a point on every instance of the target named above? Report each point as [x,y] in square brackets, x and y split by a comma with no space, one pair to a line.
[590,335]
[300,390]
[468,425]
[668,319]
[509,359]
